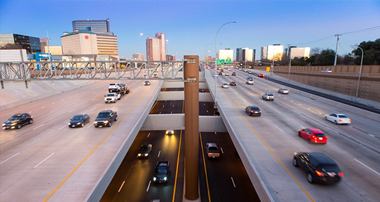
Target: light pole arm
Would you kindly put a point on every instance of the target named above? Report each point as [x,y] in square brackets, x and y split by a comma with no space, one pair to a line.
[216,37]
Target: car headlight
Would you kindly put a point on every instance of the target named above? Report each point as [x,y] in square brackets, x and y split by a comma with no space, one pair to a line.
[105,121]
[95,122]
[3,124]
[165,178]
[146,154]
[13,124]
[138,154]
[68,124]
[78,123]
[154,178]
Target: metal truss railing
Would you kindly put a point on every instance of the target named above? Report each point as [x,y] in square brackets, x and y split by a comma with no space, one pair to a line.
[95,70]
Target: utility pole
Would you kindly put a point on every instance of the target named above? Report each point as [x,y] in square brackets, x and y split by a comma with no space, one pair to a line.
[336,50]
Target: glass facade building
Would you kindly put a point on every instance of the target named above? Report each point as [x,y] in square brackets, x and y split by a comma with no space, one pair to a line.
[31,44]
[96,26]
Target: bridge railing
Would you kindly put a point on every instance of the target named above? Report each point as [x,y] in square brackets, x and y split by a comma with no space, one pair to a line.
[95,70]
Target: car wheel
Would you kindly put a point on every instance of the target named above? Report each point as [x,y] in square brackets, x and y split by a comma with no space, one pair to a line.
[115,118]
[299,134]
[109,124]
[310,141]
[295,164]
[335,122]
[18,126]
[309,178]
[30,121]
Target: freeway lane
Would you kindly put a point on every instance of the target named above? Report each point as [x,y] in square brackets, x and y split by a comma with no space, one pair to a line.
[40,156]
[278,127]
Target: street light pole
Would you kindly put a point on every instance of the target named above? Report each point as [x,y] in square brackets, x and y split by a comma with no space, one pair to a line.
[360,73]
[290,62]
[216,37]
[216,81]
[336,50]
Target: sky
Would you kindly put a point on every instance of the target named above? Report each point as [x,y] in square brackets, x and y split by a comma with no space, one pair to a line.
[191,26]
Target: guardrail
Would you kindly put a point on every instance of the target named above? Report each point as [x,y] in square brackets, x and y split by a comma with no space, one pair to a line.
[86,70]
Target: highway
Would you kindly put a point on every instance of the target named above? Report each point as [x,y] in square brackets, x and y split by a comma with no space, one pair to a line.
[354,147]
[42,156]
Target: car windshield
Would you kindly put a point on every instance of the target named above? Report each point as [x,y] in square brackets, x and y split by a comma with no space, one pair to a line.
[161,170]
[269,94]
[112,84]
[320,135]
[14,118]
[144,148]
[110,95]
[254,108]
[213,149]
[328,167]
[342,116]
[103,115]
[77,118]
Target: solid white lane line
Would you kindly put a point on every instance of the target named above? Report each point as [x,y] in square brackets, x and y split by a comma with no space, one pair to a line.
[89,126]
[38,126]
[121,186]
[112,108]
[159,153]
[277,110]
[221,149]
[163,105]
[148,134]
[42,107]
[302,127]
[30,112]
[9,158]
[232,179]
[44,160]
[62,127]
[92,100]
[147,189]
[53,103]
[93,108]
[278,128]
[206,110]
[367,166]
[371,135]
[215,133]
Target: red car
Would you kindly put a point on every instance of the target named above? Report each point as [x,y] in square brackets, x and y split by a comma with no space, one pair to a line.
[313,135]
[261,75]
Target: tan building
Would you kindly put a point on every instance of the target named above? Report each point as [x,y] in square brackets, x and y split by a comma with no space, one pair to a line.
[299,52]
[162,47]
[272,52]
[153,49]
[79,42]
[54,50]
[107,44]
[138,56]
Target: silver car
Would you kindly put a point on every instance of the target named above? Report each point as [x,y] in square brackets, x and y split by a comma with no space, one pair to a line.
[268,96]
[212,150]
[283,91]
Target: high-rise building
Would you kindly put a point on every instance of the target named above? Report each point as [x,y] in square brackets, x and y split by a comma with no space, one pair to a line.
[31,44]
[272,52]
[299,52]
[156,48]
[107,44]
[96,26]
[225,54]
[138,56]
[245,55]
[79,43]
[170,58]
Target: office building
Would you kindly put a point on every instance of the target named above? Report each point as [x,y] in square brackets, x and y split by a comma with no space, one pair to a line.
[245,55]
[138,56]
[53,50]
[170,58]
[96,26]
[107,44]
[31,44]
[272,52]
[79,42]
[299,52]
[226,54]
[156,48]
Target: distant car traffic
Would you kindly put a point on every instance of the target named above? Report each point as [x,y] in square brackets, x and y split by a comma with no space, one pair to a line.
[105,118]
[249,72]
[146,83]
[145,150]
[283,91]
[253,111]
[338,118]
[226,74]
[169,132]
[212,150]
[268,96]
[318,167]
[220,73]
[17,121]
[313,135]
[326,70]
[79,120]
[261,75]
[233,73]
[161,172]
[233,83]
[225,85]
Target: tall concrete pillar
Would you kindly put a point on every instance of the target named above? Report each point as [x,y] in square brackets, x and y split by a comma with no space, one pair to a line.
[191,76]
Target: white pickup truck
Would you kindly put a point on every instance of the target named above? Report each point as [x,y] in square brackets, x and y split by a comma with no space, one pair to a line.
[111,97]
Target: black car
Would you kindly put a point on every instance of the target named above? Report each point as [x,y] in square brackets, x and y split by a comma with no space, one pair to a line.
[161,172]
[79,120]
[146,83]
[253,111]
[105,118]
[145,150]
[17,121]
[318,167]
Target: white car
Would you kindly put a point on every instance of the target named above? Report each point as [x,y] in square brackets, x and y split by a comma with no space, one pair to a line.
[338,118]
[225,85]
[249,81]
[169,132]
[111,97]
[226,74]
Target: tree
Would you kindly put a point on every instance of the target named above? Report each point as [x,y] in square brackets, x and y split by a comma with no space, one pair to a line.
[302,61]
[11,46]
[348,59]
[371,53]
[326,57]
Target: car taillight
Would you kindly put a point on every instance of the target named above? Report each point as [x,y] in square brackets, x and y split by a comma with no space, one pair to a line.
[341,174]
[32,117]
[218,154]
[313,136]
[320,174]
[340,120]
[252,111]
[259,111]
[349,120]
